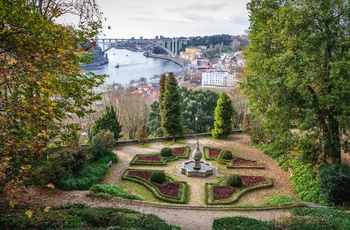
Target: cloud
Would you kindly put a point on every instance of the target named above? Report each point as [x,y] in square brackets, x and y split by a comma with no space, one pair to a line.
[199,6]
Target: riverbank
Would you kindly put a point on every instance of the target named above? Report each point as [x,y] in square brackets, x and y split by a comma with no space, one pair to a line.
[173,59]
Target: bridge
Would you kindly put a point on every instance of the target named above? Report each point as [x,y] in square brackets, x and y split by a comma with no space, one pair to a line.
[171,45]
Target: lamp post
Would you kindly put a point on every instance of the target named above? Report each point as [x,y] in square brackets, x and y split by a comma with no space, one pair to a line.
[197,154]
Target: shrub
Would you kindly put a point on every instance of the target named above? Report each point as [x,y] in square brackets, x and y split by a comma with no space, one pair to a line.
[240,222]
[100,190]
[166,152]
[226,154]
[234,180]
[334,183]
[102,144]
[158,177]
[142,135]
[278,199]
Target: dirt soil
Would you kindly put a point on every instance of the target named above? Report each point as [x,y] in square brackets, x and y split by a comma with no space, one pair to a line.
[194,215]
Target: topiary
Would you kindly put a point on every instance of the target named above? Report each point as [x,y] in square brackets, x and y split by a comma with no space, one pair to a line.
[226,155]
[234,180]
[158,177]
[334,183]
[166,152]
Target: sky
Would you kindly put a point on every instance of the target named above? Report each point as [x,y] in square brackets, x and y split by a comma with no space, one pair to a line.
[175,18]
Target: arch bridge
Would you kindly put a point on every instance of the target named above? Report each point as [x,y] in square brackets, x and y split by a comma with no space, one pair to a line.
[171,45]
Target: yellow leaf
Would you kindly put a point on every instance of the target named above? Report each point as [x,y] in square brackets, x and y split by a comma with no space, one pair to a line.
[11,61]
[47,208]
[13,203]
[49,185]
[29,213]
[26,167]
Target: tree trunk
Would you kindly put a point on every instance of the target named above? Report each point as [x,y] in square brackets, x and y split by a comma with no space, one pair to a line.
[331,135]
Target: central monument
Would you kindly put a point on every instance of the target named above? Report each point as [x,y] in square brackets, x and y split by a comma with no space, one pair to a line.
[196,167]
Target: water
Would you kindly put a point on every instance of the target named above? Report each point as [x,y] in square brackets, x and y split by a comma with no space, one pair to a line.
[132,66]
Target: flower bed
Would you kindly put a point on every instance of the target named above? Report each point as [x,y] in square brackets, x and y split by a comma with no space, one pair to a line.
[170,191]
[157,159]
[237,162]
[220,193]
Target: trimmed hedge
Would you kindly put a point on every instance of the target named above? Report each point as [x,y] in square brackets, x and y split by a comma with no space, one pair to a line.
[229,163]
[226,154]
[234,180]
[158,177]
[240,222]
[163,160]
[166,152]
[183,189]
[209,193]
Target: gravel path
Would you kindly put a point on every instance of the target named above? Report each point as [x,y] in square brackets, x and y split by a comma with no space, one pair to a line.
[194,215]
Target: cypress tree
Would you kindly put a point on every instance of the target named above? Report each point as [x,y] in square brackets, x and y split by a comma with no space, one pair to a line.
[224,110]
[170,108]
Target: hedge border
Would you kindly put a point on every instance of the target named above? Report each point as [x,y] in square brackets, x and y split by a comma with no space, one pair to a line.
[164,160]
[208,187]
[182,199]
[228,163]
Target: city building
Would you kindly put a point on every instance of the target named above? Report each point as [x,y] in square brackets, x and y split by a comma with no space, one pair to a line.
[218,78]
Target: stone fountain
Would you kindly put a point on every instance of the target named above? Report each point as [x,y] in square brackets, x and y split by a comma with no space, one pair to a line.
[196,167]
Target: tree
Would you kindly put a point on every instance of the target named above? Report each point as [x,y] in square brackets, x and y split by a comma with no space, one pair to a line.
[154,124]
[142,135]
[170,108]
[297,72]
[42,88]
[108,121]
[224,112]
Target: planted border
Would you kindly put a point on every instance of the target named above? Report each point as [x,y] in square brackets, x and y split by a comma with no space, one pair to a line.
[213,154]
[222,188]
[156,189]
[156,159]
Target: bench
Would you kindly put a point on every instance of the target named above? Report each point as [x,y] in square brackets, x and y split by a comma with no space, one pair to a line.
[110,163]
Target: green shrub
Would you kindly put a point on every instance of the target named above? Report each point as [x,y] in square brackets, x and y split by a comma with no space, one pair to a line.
[111,190]
[302,222]
[158,177]
[281,199]
[102,144]
[166,152]
[334,183]
[240,222]
[234,180]
[338,219]
[226,155]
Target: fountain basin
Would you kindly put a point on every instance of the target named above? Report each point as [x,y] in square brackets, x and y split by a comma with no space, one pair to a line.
[205,170]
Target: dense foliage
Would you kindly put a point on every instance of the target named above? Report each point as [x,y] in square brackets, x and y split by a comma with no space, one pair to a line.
[110,191]
[80,216]
[142,134]
[302,218]
[297,72]
[166,152]
[234,180]
[42,87]
[158,177]
[108,121]
[334,183]
[170,107]
[226,154]
[224,113]
[200,104]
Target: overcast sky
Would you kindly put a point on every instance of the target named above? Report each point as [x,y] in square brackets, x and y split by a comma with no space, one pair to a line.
[173,18]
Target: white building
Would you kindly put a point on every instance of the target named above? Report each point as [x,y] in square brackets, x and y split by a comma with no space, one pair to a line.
[218,78]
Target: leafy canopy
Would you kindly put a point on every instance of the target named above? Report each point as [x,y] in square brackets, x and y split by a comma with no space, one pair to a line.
[297,72]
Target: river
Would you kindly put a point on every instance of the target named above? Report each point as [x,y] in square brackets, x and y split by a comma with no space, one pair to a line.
[132,66]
